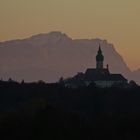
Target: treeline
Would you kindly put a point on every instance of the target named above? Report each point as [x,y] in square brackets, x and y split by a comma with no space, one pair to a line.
[52,111]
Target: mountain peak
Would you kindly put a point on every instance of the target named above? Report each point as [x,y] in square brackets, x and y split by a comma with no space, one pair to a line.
[51,36]
[57,33]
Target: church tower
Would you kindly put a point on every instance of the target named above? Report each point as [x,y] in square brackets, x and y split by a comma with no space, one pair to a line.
[99,59]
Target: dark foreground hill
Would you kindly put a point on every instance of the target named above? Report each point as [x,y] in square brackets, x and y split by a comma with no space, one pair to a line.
[50,56]
[51,111]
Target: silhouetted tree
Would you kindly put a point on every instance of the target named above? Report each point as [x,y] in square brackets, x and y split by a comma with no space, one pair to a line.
[41,82]
[61,80]
[133,84]
[22,82]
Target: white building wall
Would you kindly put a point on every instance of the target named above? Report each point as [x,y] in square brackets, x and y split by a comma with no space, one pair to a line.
[104,84]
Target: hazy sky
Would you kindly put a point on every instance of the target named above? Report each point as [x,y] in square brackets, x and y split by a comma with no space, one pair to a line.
[117,21]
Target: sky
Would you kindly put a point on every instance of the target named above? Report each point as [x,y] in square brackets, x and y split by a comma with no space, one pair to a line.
[117,21]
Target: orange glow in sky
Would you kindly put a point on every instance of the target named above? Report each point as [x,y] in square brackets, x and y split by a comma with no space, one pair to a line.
[117,21]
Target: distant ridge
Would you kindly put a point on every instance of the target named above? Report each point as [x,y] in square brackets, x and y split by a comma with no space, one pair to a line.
[50,56]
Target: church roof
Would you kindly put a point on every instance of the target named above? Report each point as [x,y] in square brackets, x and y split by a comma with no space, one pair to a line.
[110,77]
[80,79]
[117,77]
[99,75]
[97,71]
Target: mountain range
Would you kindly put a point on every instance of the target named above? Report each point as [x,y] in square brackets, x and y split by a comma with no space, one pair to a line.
[51,56]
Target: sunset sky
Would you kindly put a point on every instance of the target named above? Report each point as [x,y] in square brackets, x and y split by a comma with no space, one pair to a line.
[117,21]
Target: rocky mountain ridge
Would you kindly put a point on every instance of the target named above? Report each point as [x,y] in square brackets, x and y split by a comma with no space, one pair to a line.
[50,56]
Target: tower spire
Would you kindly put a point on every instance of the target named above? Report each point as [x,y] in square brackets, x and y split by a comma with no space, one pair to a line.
[99,47]
[99,51]
[99,59]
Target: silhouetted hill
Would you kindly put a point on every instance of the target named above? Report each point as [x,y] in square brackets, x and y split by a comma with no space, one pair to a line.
[50,56]
[52,111]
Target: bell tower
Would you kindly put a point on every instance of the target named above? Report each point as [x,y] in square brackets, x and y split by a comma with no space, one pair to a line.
[99,59]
